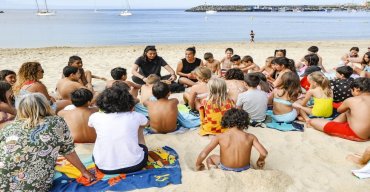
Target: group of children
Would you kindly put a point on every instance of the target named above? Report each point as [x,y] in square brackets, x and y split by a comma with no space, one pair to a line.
[229,95]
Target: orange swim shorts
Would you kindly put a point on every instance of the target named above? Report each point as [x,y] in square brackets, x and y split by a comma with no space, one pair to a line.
[341,130]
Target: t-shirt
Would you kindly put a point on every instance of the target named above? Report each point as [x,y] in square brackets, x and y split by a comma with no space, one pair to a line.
[117,143]
[255,103]
[341,89]
[189,67]
[150,67]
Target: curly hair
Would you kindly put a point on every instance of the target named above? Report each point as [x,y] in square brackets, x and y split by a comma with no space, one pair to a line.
[114,100]
[27,72]
[234,73]
[235,118]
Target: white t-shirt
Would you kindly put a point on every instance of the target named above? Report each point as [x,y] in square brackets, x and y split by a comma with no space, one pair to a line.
[254,101]
[117,143]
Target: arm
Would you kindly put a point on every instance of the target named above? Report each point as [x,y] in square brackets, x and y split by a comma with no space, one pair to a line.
[134,71]
[75,161]
[192,98]
[344,106]
[97,77]
[203,155]
[179,69]
[271,97]
[172,72]
[41,88]
[4,107]
[133,85]
[218,69]
[263,152]
[306,98]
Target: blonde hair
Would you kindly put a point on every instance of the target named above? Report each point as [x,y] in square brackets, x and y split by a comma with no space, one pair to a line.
[27,72]
[33,108]
[152,78]
[217,91]
[323,82]
[203,73]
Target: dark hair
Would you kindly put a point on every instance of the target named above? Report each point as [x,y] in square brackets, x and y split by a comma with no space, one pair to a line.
[121,85]
[115,99]
[235,58]
[361,83]
[263,82]
[4,87]
[234,73]
[312,59]
[192,49]
[280,50]
[235,118]
[118,72]
[363,59]
[147,49]
[68,70]
[252,80]
[290,84]
[4,73]
[288,63]
[346,71]
[355,49]
[229,49]
[208,55]
[247,58]
[313,49]
[81,96]
[73,58]
[160,90]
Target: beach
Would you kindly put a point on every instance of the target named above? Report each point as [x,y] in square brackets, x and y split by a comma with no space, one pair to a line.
[297,161]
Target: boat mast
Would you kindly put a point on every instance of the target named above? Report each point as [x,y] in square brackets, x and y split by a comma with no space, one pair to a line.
[38,8]
[46,5]
[128,5]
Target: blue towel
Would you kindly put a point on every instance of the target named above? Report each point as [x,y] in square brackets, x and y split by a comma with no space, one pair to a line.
[281,126]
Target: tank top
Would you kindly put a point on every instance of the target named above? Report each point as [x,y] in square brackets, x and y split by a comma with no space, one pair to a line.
[189,67]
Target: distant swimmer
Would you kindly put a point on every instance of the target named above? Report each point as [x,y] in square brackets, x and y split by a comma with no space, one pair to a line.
[252,36]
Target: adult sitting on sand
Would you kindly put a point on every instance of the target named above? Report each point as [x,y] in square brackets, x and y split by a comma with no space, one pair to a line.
[29,76]
[352,56]
[353,123]
[78,117]
[150,63]
[186,66]
[30,146]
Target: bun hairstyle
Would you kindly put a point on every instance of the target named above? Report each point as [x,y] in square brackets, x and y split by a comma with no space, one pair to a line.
[192,49]
[288,63]
[313,49]
[312,59]
[323,82]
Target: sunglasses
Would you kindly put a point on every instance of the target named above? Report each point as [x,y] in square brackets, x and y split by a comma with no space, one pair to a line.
[42,71]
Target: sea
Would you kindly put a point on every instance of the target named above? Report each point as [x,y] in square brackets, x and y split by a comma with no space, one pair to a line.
[24,29]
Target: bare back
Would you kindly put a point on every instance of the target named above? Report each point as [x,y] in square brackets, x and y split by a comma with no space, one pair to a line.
[358,115]
[146,93]
[235,148]
[65,87]
[76,120]
[163,115]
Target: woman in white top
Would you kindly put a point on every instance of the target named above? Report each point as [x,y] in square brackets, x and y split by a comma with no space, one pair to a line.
[120,145]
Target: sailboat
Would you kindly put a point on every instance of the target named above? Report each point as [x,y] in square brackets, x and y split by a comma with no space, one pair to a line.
[209,11]
[43,12]
[126,12]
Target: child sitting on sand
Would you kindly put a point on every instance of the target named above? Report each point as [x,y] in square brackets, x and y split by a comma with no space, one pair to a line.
[353,122]
[249,64]
[235,83]
[216,104]
[267,69]
[120,74]
[237,62]
[162,112]
[146,90]
[253,101]
[235,145]
[212,64]
[322,97]
[226,64]
[8,76]
[69,82]
[78,117]
[341,85]
[199,91]
[283,96]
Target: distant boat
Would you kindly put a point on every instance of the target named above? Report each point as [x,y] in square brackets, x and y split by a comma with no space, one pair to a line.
[211,12]
[126,12]
[2,12]
[43,12]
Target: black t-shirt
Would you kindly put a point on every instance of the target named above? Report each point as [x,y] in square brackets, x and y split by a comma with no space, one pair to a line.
[150,67]
[341,89]
[189,67]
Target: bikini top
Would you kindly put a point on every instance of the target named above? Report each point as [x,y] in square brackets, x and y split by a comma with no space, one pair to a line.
[282,101]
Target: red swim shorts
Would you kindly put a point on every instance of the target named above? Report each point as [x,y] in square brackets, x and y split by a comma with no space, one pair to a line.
[341,130]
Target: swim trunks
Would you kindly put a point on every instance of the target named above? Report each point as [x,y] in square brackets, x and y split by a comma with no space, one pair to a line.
[223,167]
[341,130]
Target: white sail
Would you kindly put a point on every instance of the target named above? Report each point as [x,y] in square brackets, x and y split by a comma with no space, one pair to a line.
[126,12]
[43,12]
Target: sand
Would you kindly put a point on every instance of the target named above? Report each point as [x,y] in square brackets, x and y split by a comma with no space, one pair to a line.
[297,161]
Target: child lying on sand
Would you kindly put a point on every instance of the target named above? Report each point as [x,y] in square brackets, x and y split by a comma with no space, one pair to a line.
[235,145]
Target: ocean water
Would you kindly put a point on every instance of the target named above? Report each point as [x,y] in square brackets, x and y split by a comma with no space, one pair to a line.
[23,28]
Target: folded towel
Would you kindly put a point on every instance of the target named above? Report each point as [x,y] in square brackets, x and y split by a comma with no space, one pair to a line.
[363,173]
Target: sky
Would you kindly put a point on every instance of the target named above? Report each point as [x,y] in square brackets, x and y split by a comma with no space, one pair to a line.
[156,4]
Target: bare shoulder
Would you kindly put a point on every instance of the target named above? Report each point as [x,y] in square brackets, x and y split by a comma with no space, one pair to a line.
[62,113]
[174,100]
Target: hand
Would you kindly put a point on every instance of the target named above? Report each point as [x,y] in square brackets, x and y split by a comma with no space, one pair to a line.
[103,78]
[145,79]
[200,167]
[260,163]
[89,86]
[88,176]
[297,105]
[173,77]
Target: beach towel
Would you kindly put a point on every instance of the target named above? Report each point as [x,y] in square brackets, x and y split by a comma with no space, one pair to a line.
[363,173]
[162,168]
[281,126]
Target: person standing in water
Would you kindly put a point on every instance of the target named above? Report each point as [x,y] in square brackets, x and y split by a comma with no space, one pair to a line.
[252,36]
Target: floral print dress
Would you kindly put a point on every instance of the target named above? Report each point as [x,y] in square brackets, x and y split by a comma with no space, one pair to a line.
[28,155]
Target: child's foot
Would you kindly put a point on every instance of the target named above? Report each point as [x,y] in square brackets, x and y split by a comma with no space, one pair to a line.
[308,123]
[355,158]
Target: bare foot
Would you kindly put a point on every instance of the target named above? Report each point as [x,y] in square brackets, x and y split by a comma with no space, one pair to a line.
[308,123]
[355,158]
[300,118]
